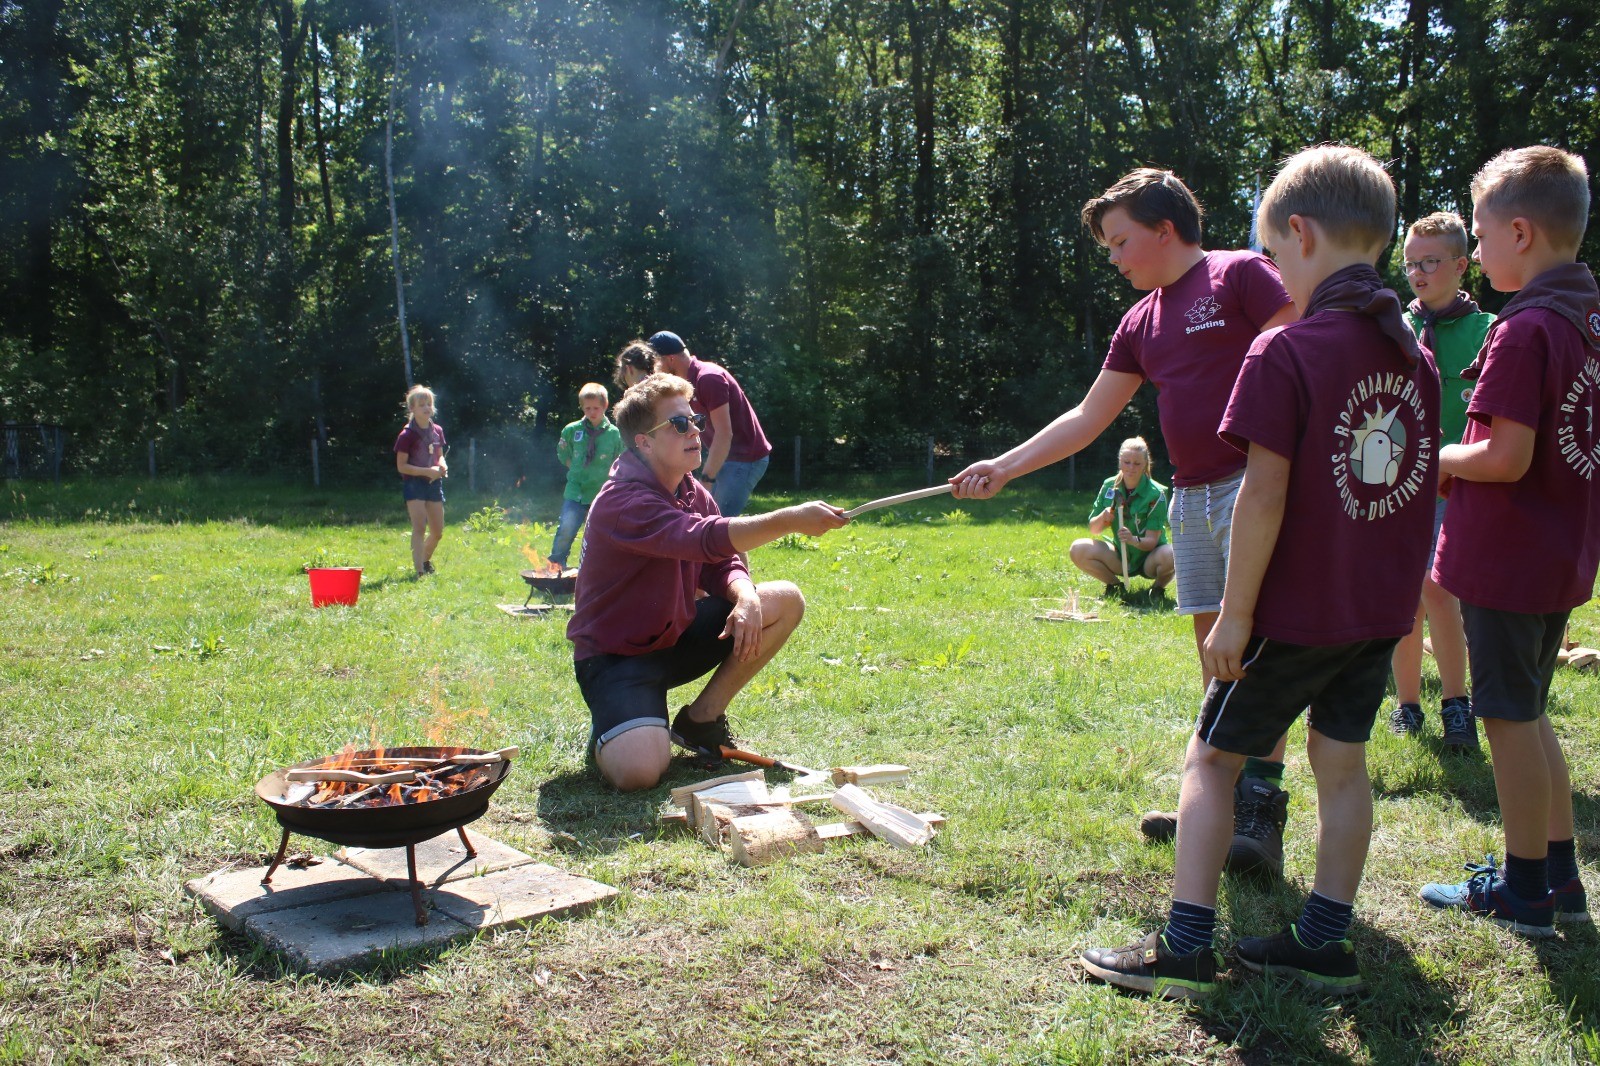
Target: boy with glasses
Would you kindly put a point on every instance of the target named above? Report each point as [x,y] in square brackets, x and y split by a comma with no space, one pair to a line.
[1450,325]
[663,597]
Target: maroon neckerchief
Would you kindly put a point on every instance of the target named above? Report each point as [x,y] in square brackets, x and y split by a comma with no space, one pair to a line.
[1462,306]
[1359,288]
[1568,290]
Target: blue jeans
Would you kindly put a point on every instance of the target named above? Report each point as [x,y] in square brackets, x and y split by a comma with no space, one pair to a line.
[735,483]
[572,515]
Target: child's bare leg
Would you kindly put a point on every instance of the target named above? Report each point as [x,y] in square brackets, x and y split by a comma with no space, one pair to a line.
[418,511]
[1449,638]
[1406,663]
[1095,558]
[1205,821]
[1159,567]
[1523,780]
[1344,814]
[1560,818]
[1202,629]
[435,529]
[782,607]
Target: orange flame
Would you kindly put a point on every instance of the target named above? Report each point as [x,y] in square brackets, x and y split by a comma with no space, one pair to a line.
[539,562]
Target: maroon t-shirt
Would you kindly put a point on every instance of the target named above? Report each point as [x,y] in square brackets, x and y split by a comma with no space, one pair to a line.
[714,387]
[421,447]
[1188,339]
[1539,371]
[645,552]
[1359,425]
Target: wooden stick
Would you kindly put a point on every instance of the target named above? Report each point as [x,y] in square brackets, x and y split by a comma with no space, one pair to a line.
[876,774]
[836,830]
[1126,581]
[314,773]
[904,497]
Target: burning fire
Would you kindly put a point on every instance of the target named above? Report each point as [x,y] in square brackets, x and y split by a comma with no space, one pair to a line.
[540,563]
[431,779]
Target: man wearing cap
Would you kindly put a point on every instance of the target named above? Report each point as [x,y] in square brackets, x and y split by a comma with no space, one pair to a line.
[737,450]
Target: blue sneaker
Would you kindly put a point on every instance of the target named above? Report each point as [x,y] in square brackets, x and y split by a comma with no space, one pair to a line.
[1485,895]
[1571,902]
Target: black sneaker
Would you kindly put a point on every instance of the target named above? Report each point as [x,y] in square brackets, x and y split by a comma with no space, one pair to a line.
[1158,826]
[707,738]
[1460,724]
[1330,968]
[1260,811]
[1406,720]
[427,567]
[1149,967]
[1113,592]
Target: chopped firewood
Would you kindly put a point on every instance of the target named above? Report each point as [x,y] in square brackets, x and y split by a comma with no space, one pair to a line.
[895,824]
[1067,611]
[1582,658]
[837,830]
[876,774]
[680,795]
[733,793]
[757,839]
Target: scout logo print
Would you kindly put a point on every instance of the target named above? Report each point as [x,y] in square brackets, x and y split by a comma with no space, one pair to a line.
[1593,320]
[577,436]
[1380,455]
[1203,314]
[1575,435]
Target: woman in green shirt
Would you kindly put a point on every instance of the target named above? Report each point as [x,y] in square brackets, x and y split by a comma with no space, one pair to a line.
[1142,531]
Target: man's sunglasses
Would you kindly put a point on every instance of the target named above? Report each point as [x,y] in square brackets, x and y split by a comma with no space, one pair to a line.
[681,423]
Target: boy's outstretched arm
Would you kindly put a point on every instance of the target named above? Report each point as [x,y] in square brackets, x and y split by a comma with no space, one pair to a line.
[1257,517]
[1504,455]
[809,519]
[1065,436]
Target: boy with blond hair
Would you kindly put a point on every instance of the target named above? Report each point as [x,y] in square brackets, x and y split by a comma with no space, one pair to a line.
[587,449]
[1337,415]
[1528,460]
[1449,324]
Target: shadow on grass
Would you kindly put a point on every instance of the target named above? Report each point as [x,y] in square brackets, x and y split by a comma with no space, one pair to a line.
[255,961]
[1570,961]
[590,816]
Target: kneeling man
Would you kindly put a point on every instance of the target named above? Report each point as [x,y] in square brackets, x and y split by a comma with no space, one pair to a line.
[654,538]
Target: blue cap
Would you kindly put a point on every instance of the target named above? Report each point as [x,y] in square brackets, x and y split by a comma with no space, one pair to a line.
[666,343]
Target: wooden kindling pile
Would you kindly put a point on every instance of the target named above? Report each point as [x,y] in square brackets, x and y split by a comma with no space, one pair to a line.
[756,825]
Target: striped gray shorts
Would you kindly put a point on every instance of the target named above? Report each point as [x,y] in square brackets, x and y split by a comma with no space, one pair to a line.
[1201,519]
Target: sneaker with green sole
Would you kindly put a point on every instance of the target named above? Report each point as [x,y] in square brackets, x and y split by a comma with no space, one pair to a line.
[1148,966]
[1330,968]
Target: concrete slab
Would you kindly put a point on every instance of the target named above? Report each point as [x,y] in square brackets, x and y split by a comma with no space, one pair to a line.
[232,897]
[348,934]
[522,894]
[439,861]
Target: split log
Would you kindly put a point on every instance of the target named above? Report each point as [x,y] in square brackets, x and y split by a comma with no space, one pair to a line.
[876,774]
[837,830]
[895,824]
[757,839]
[680,795]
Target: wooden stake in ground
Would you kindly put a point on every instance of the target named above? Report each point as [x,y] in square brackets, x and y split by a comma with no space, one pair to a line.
[1122,544]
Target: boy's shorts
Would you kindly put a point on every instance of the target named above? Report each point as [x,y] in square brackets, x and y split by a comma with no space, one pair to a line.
[420,488]
[628,691]
[1199,521]
[1513,658]
[1342,683]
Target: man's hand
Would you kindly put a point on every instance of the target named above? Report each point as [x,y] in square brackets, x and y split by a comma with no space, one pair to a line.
[744,624]
[815,518]
[1224,651]
[979,481]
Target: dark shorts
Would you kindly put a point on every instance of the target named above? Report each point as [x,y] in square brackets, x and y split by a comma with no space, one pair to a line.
[628,691]
[1343,684]
[1513,658]
[420,488]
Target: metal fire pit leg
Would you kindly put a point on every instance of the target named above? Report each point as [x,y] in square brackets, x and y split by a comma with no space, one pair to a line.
[416,887]
[472,852]
[283,849]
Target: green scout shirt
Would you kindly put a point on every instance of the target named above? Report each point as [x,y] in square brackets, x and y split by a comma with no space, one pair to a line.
[1146,510]
[1456,344]
[585,478]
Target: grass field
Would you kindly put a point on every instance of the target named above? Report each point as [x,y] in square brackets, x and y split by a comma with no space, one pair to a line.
[159,656]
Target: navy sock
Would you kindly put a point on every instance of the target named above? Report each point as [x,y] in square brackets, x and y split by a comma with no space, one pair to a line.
[1562,864]
[1190,927]
[1526,878]
[1324,921]
[1265,769]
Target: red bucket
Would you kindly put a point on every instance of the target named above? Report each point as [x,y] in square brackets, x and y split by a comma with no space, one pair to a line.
[334,584]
